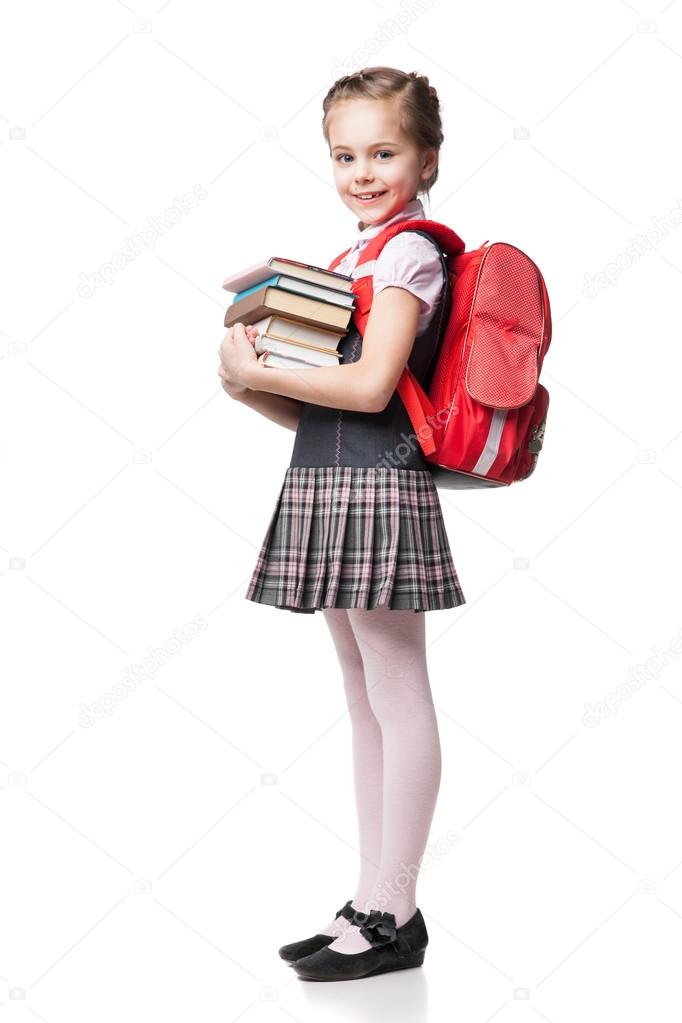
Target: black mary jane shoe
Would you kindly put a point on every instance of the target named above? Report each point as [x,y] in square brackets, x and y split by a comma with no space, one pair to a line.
[295,949]
[393,948]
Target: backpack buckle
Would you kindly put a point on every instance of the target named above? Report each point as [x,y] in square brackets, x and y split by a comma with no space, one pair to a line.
[535,444]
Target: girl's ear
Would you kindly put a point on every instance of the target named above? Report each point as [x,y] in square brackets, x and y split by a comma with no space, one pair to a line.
[429,162]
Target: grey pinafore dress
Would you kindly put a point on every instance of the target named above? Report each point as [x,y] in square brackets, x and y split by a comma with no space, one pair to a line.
[358,521]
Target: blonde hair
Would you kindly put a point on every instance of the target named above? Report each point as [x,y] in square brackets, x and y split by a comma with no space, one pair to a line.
[418,110]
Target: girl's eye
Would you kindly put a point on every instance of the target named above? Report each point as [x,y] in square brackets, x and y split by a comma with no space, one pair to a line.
[341,156]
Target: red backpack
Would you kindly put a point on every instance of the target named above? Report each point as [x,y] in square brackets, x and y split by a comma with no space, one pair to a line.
[482,422]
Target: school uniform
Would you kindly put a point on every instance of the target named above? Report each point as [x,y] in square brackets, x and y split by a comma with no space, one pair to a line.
[358,521]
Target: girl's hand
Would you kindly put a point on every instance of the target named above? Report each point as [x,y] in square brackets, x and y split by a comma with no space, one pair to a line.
[238,358]
[229,386]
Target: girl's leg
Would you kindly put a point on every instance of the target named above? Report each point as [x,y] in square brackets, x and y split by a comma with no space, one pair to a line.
[392,646]
[367,759]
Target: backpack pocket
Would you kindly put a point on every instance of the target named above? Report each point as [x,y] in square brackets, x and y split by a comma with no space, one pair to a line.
[506,329]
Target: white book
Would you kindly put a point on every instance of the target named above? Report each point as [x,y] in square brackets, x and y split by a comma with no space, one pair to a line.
[307,356]
[276,361]
[298,332]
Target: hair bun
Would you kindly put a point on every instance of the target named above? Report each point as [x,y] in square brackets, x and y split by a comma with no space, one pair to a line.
[423,80]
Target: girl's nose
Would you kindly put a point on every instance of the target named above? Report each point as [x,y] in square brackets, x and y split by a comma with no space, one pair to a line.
[363,171]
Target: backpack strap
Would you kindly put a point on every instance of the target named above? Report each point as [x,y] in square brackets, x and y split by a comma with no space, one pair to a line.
[337,259]
[412,394]
[450,242]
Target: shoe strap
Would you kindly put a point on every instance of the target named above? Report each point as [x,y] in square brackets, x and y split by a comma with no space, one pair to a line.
[346,911]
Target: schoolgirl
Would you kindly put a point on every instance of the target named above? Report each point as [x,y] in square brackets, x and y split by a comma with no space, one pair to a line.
[357,532]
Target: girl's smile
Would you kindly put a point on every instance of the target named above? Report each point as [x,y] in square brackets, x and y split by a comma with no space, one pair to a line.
[369,197]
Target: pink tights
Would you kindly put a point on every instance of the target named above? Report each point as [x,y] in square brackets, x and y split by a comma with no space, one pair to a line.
[396,756]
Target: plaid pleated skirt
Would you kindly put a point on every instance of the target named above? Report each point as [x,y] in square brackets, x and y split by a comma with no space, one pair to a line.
[349,536]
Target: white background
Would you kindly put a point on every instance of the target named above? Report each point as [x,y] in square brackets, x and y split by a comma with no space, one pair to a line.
[154,859]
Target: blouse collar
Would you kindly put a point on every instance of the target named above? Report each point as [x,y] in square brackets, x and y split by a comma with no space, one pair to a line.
[413,210]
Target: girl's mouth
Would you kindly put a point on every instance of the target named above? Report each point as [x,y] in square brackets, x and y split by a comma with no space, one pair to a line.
[368,197]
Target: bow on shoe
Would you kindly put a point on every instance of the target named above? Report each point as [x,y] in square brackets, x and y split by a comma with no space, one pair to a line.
[377,928]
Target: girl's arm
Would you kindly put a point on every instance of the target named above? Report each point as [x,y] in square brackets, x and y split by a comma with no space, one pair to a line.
[362,386]
[276,407]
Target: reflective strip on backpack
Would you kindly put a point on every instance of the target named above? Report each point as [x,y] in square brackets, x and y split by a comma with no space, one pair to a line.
[492,443]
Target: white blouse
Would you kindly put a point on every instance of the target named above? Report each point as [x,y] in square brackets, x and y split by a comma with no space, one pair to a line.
[406,261]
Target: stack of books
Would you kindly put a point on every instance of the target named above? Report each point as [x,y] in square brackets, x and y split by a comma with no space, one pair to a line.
[301,311]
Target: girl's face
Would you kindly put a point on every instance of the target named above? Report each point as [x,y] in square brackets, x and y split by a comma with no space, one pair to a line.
[370,153]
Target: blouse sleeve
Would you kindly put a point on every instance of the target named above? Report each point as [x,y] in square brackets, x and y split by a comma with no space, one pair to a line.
[413,262]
